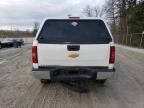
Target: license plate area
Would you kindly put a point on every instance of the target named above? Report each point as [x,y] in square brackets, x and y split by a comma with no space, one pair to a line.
[73,74]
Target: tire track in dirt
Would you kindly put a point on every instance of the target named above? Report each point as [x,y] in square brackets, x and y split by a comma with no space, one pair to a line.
[27,99]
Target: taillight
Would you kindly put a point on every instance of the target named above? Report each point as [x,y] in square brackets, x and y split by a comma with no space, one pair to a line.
[34,54]
[112,55]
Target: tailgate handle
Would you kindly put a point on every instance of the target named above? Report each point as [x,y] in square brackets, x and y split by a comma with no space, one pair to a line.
[73,47]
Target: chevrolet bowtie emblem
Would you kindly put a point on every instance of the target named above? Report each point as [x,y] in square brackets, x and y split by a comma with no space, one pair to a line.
[73,55]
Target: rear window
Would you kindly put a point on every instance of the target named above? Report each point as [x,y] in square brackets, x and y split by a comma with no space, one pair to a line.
[74,31]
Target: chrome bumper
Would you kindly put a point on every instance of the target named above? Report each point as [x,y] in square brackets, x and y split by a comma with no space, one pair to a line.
[73,73]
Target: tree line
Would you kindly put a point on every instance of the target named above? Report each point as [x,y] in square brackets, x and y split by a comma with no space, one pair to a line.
[124,17]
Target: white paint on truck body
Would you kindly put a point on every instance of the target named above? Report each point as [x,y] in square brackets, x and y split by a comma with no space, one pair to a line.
[57,55]
[89,54]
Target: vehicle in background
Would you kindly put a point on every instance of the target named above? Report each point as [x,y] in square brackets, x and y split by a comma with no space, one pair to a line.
[13,42]
[16,43]
[6,43]
[20,40]
[73,49]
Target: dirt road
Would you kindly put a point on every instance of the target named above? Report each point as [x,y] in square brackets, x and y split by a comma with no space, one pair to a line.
[19,89]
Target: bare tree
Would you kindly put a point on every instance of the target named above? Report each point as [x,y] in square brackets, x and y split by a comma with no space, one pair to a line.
[36,25]
[111,14]
[117,14]
[35,28]
[98,12]
[111,11]
[88,11]
[95,11]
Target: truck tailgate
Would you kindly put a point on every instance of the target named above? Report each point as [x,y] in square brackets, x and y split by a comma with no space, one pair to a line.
[88,55]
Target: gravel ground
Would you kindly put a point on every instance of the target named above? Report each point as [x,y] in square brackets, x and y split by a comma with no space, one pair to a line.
[19,89]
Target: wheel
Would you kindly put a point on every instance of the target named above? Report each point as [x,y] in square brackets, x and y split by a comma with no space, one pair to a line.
[45,81]
[101,81]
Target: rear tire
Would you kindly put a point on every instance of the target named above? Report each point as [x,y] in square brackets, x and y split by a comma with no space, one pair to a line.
[101,81]
[45,81]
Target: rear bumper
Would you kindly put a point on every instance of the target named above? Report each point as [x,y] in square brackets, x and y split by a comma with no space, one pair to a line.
[73,73]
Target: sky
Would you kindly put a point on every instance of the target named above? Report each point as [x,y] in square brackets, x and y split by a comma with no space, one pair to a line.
[21,14]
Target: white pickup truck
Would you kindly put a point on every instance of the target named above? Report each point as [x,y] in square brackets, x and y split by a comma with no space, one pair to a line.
[73,48]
